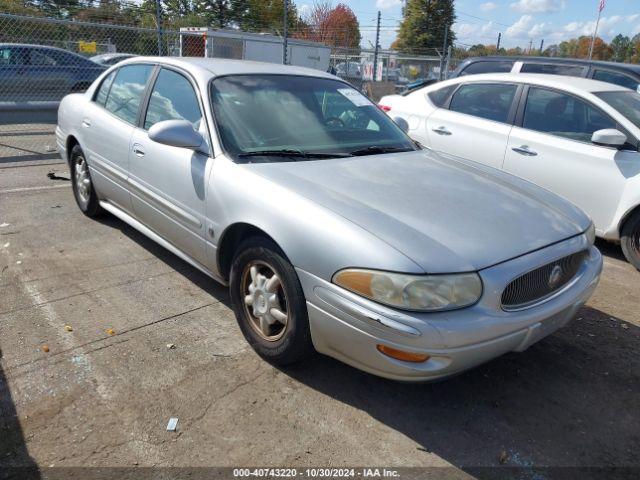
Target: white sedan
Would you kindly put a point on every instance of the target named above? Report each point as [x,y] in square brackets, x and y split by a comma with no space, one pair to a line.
[577,137]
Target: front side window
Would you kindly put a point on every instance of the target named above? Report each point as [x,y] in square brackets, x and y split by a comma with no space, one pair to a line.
[172,98]
[553,69]
[126,91]
[502,66]
[563,115]
[627,103]
[314,116]
[42,58]
[616,78]
[485,100]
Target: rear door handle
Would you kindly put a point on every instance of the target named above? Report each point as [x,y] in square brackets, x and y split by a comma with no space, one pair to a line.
[137,149]
[86,123]
[525,150]
[442,131]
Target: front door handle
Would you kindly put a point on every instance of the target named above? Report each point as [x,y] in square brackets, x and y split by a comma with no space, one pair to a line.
[525,150]
[442,131]
[137,149]
[86,123]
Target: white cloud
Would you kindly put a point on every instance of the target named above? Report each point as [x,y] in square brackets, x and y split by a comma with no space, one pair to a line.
[481,33]
[386,4]
[538,6]
[304,10]
[488,6]
[521,28]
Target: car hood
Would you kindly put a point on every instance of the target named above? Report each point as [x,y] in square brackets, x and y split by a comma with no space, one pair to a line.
[444,213]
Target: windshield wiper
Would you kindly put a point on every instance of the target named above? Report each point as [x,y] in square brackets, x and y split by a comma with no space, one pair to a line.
[376,149]
[293,153]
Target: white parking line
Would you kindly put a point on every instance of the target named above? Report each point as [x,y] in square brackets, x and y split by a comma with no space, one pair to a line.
[34,189]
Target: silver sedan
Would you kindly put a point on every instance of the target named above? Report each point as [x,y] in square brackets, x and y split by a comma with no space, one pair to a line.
[335,232]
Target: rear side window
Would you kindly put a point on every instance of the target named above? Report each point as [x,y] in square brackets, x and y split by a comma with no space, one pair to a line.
[172,98]
[485,100]
[553,69]
[439,97]
[488,67]
[617,79]
[126,91]
[103,91]
[563,115]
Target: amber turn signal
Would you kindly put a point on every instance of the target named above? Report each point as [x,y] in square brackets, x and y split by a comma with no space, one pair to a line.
[402,355]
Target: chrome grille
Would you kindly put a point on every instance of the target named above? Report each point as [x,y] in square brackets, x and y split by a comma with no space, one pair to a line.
[538,284]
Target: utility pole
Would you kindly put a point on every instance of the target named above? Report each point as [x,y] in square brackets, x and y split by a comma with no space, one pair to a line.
[541,45]
[285,29]
[498,44]
[159,26]
[530,46]
[377,47]
[444,52]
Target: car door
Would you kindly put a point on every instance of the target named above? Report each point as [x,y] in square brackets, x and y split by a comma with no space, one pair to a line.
[476,122]
[13,67]
[107,126]
[551,147]
[168,183]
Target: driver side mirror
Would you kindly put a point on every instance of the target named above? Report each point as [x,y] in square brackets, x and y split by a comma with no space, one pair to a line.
[402,123]
[176,133]
[609,137]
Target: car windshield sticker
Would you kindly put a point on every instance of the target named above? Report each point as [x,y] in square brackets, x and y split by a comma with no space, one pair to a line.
[355,97]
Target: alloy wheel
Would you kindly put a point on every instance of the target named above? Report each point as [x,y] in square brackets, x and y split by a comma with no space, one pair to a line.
[265,301]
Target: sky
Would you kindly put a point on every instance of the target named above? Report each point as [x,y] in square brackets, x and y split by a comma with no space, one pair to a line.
[519,21]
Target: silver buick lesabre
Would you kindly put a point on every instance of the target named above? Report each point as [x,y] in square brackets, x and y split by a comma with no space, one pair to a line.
[335,232]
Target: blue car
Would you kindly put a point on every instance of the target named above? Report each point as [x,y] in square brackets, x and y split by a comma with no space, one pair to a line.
[32,73]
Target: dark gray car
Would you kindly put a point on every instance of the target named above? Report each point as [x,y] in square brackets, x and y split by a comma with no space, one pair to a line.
[38,73]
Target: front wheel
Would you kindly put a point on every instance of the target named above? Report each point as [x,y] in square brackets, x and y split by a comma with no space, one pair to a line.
[630,239]
[269,303]
[83,190]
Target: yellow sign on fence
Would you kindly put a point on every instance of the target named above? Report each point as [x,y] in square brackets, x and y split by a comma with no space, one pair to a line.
[87,47]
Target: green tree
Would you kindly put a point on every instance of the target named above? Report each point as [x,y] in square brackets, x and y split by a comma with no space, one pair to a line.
[622,48]
[424,25]
[266,16]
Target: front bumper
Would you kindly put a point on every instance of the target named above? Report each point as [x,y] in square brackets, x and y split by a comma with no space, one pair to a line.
[348,327]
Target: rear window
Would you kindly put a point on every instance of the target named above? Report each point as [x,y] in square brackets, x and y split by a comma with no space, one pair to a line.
[501,66]
[617,78]
[553,69]
[439,97]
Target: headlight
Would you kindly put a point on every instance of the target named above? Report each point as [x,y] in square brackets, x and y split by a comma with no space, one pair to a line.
[413,292]
[591,234]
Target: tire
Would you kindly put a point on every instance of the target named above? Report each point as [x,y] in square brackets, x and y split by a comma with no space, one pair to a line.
[85,194]
[630,239]
[277,342]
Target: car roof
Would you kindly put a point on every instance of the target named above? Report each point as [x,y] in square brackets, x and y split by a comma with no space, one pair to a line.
[216,67]
[570,84]
[574,61]
[43,47]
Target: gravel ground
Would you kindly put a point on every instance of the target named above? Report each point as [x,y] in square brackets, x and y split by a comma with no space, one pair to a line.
[104,391]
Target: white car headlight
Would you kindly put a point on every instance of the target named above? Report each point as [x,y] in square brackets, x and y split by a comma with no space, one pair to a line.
[425,293]
[591,234]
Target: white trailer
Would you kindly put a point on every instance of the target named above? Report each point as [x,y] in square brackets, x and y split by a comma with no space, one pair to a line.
[212,43]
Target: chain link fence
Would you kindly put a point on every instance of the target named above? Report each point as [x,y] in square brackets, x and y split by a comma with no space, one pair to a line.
[43,59]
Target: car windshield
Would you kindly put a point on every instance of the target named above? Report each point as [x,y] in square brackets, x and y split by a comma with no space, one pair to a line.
[295,117]
[627,103]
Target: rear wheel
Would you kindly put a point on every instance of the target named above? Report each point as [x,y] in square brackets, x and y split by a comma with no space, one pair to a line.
[83,190]
[269,303]
[630,239]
